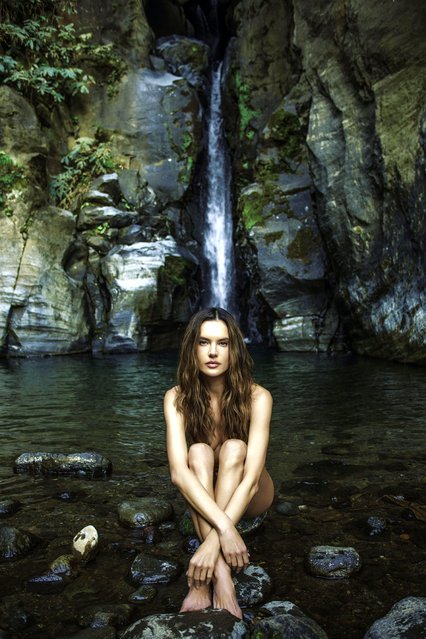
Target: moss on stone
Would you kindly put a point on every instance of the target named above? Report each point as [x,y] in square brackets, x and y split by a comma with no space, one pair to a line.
[272,237]
[12,176]
[174,270]
[303,245]
[246,111]
[260,204]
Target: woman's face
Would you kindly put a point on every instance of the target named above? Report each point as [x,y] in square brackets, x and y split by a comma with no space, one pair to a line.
[213,348]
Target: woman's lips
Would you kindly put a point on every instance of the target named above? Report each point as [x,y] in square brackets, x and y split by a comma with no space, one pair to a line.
[212,364]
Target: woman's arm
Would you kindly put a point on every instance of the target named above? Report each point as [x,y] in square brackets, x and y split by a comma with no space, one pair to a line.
[181,475]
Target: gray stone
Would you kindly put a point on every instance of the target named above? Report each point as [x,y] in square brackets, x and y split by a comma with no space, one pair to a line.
[144,594]
[81,464]
[63,565]
[333,562]
[9,507]
[151,570]
[287,621]
[92,216]
[186,57]
[405,620]
[14,543]
[144,512]
[148,283]
[203,624]
[252,585]
[116,615]
[42,309]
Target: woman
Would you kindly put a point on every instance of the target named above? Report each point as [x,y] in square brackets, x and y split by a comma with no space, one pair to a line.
[223,416]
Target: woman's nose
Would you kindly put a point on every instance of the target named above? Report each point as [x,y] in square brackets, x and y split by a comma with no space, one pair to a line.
[213,350]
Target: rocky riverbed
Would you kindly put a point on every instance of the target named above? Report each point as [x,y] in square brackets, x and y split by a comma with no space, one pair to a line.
[329,560]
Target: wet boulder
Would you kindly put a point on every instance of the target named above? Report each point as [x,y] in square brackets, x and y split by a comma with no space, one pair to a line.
[88,464]
[9,507]
[333,562]
[405,620]
[252,585]
[116,615]
[147,569]
[286,620]
[203,624]
[14,543]
[143,512]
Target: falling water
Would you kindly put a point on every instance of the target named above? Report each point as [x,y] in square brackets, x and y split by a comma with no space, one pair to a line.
[218,240]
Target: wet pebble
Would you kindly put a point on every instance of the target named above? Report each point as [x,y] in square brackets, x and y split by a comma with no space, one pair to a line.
[376,525]
[116,615]
[145,511]
[191,544]
[85,543]
[63,565]
[405,620]
[87,464]
[46,584]
[285,619]
[286,508]
[9,507]
[14,543]
[202,624]
[333,562]
[143,594]
[147,569]
[252,585]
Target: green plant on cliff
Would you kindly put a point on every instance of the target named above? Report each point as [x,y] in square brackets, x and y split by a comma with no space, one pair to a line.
[89,158]
[12,176]
[246,111]
[43,56]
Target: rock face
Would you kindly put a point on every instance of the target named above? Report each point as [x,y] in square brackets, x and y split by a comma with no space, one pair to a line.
[324,113]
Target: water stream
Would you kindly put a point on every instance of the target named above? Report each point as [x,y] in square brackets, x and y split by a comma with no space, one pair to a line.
[345,433]
[218,248]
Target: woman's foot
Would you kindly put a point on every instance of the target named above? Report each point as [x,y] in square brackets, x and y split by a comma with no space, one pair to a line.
[224,595]
[197,599]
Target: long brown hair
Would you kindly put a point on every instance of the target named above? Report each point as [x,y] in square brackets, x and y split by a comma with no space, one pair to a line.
[193,399]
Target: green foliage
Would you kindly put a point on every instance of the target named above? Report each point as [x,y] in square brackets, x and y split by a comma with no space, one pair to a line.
[12,175]
[43,56]
[247,113]
[87,160]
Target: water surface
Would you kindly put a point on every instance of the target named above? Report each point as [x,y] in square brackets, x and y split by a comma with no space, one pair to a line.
[345,433]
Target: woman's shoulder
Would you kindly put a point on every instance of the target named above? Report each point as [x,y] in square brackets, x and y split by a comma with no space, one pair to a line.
[259,393]
[171,394]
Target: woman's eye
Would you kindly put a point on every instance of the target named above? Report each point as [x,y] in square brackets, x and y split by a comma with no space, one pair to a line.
[223,343]
[203,342]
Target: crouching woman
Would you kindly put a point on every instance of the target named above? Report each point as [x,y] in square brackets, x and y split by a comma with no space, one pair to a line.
[217,421]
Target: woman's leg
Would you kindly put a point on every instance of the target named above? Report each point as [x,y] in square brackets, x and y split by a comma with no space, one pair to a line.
[231,460]
[201,462]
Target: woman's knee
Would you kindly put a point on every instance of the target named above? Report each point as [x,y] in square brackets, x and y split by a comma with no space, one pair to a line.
[200,455]
[233,451]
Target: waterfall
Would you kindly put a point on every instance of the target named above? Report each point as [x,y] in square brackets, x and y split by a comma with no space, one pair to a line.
[218,247]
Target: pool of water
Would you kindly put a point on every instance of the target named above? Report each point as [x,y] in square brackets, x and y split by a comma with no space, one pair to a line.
[346,433]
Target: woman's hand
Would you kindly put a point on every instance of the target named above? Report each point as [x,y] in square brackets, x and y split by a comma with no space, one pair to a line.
[234,549]
[203,561]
